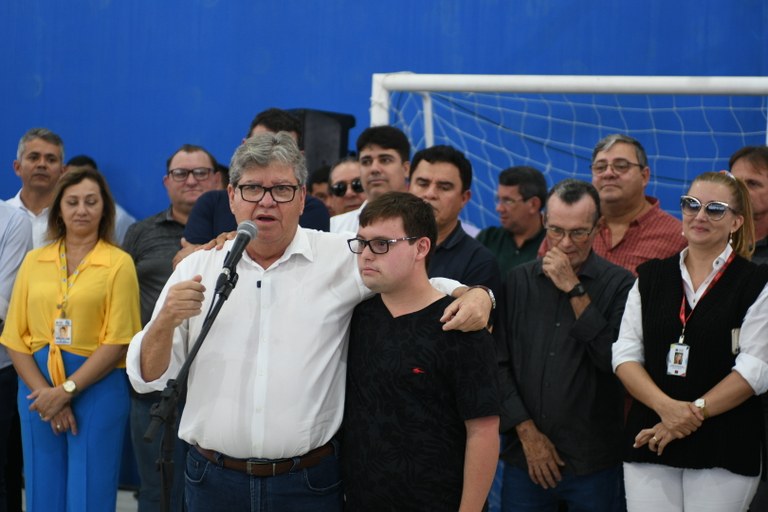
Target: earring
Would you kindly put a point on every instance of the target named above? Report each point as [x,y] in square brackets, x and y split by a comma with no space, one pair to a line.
[730,239]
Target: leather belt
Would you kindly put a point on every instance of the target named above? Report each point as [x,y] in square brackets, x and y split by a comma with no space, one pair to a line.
[268,467]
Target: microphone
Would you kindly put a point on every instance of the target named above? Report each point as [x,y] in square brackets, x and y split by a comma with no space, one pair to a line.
[246,231]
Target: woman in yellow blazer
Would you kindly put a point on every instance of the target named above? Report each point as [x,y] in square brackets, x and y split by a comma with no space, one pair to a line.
[74,309]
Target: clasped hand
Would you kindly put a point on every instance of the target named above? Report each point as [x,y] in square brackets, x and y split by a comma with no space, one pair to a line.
[53,404]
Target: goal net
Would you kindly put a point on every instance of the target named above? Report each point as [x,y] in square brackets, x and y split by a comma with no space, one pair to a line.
[688,125]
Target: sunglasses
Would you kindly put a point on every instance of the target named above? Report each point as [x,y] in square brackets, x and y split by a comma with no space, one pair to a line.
[340,188]
[715,210]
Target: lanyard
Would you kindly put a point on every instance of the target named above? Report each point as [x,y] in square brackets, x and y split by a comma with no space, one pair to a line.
[66,282]
[683,317]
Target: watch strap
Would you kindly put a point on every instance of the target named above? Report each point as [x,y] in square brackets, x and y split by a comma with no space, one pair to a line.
[577,291]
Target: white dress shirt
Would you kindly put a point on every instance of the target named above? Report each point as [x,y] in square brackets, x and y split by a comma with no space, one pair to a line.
[269,379]
[39,222]
[15,241]
[123,221]
[752,360]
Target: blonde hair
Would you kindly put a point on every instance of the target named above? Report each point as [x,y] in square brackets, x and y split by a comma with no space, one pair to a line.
[744,237]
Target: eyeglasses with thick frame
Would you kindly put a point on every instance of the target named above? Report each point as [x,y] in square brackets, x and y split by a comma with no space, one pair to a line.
[715,210]
[619,166]
[181,174]
[576,235]
[255,193]
[377,245]
[340,188]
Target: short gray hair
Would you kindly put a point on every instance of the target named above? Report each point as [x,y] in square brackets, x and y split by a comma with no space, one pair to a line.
[39,133]
[264,149]
[607,143]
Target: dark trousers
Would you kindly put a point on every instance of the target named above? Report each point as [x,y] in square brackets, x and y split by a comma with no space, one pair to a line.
[10,443]
[760,501]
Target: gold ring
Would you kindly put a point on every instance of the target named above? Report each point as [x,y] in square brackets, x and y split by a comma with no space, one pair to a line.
[654,438]
[58,426]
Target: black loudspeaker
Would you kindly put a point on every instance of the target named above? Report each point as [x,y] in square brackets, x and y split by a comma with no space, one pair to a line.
[325,136]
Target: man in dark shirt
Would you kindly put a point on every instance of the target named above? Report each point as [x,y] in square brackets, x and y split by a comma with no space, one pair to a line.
[420,418]
[519,200]
[561,404]
[750,164]
[442,176]
[212,215]
[153,243]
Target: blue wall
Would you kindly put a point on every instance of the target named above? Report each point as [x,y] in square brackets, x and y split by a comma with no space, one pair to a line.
[129,81]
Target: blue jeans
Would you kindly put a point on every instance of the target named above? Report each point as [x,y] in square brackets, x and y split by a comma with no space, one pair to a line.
[596,492]
[147,454]
[211,488]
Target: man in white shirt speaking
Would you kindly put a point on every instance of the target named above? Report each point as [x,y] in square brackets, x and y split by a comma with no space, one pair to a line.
[266,391]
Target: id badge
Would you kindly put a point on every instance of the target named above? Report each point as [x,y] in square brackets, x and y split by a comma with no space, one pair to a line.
[62,331]
[677,359]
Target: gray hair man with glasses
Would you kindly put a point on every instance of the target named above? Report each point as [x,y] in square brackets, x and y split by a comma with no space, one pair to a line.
[520,198]
[153,243]
[561,405]
[266,390]
[636,229]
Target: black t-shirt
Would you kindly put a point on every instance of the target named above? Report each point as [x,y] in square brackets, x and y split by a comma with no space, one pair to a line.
[410,387]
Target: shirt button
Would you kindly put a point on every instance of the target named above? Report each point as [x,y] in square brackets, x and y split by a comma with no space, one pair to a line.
[551,353]
[557,324]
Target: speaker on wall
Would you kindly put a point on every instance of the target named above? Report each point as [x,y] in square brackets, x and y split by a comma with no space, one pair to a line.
[325,136]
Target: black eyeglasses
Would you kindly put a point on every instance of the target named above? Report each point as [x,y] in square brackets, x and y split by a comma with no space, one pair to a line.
[715,210]
[340,188]
[377,245]
[279,193]
[619,166]
[576,235]
[199,173]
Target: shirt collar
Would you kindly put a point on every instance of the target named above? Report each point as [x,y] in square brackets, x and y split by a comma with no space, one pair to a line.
[167,217]
[716,265]
[456,236]
[99,255]
[300,246]
[16,201]
[652,211]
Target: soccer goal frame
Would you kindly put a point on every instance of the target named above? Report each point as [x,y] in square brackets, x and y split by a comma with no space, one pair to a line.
[383,84]
[688,124]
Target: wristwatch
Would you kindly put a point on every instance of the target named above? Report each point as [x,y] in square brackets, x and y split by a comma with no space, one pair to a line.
[577,291]
[70,386]
[702,405]
[490,294]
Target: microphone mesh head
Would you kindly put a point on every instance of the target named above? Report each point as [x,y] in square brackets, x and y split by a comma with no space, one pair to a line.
[248,228]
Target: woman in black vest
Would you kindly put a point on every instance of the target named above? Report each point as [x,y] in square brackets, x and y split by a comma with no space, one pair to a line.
[694,431]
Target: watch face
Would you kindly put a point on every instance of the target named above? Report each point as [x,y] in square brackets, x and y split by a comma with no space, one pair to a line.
[69,386]
[700,403]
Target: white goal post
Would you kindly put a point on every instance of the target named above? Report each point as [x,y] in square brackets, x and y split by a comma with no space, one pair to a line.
[689,124]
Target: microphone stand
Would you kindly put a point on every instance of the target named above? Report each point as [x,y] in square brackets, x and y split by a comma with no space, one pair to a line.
[164,411]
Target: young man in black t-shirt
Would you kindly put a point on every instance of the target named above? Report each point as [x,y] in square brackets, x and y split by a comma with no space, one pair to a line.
[421,415]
